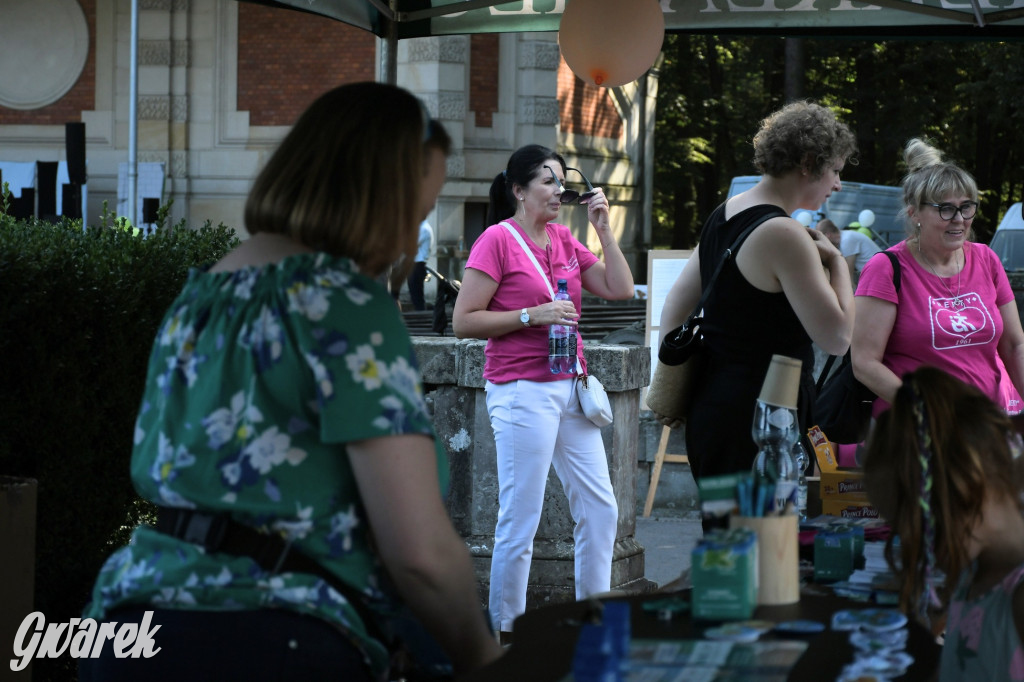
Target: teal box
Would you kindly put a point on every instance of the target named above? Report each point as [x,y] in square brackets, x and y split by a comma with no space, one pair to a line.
[835,553]
[724,574]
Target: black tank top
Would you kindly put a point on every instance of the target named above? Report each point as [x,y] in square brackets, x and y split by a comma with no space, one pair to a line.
[743,324]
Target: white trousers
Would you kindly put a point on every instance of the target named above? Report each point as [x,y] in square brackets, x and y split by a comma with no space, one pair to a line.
[537,425]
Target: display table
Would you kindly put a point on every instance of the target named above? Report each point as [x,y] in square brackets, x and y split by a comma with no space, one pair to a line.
[545,638]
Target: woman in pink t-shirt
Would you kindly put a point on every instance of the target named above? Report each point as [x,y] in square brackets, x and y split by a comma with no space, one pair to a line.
[536,417]
[954,310]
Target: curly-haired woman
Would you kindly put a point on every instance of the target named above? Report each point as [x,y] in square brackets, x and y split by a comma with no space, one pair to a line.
[773,296]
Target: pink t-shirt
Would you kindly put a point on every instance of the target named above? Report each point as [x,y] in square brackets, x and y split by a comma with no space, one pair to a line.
[523,354]
[930,331]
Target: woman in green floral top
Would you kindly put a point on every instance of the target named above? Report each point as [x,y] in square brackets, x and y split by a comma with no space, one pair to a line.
[283,391]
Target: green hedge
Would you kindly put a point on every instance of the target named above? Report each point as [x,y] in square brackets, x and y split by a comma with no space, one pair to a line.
[78,312]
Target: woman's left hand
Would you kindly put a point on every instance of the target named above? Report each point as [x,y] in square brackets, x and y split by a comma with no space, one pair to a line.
[597,210]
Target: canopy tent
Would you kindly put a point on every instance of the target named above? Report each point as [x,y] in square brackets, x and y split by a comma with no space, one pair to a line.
[396,19]
[975,19]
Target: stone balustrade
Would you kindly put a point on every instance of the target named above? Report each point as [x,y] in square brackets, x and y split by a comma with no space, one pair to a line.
[453,380]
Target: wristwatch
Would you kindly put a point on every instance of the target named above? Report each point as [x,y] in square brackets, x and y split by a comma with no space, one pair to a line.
[524,317]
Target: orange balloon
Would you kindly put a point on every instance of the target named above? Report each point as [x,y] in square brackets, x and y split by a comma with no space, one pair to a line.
[611,42]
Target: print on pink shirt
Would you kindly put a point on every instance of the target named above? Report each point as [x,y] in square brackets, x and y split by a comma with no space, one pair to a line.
[967,326]
[573,264]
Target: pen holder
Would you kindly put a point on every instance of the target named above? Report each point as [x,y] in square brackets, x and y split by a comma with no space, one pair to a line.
[778,564]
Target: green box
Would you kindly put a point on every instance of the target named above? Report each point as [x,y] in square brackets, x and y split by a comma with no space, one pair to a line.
[835,551]
[724,573]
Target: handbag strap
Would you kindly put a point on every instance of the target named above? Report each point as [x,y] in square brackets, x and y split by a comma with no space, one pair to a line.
[729,252]
[526,249]
[897,279]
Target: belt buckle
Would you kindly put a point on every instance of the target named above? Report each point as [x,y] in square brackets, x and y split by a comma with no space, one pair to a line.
[207,530]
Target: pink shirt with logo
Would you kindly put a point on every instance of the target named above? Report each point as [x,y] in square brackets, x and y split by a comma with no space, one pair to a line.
[523,354]
[930,330]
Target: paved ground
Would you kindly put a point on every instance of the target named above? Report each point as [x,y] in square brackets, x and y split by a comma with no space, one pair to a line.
[667,538]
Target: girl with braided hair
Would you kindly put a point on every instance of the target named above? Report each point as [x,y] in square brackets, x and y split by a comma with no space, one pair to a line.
[942,467]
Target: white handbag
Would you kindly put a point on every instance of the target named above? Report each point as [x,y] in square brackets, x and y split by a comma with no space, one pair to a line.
[594,399]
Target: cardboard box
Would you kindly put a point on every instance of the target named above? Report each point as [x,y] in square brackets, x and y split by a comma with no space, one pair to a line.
[846,484]
[848,508]
[724,573]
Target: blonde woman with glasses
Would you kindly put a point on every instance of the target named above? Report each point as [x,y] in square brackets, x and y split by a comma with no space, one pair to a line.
[954,310]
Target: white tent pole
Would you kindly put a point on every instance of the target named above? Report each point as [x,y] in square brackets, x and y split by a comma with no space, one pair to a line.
[133,114]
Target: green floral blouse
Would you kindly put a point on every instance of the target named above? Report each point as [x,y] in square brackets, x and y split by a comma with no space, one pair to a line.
[256,381]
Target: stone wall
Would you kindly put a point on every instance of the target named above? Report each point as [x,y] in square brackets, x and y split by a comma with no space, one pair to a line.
[452,374]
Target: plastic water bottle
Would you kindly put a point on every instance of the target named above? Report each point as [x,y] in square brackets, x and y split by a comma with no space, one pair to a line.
[775,430]
[562,340]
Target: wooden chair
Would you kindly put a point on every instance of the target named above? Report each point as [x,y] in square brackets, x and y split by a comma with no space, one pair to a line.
[660,458]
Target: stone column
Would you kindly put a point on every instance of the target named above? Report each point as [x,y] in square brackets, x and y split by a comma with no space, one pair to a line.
[536,89]
[435,70]
[452,374]
[165,49]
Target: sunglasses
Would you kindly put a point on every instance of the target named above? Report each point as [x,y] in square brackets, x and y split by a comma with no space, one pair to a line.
[568,196]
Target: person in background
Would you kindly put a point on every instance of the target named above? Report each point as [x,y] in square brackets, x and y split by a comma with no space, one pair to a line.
[855,247]
[943,469]
[855,226]
[955,309]
[772,297]
[418,272]
[424,247]
[283,433]
[535,414]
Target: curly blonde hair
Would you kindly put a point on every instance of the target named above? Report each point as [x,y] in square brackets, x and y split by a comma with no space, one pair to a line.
[802,136]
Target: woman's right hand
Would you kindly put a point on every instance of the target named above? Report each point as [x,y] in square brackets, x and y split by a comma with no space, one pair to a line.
[827,251]
[556,312]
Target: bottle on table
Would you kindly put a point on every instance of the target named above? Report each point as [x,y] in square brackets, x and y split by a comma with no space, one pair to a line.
[562,340]
[776,430]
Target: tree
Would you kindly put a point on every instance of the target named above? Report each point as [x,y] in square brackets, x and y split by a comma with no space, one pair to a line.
[967,97]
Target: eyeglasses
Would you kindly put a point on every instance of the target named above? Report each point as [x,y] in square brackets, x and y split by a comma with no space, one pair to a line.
[949,211]
[570,195]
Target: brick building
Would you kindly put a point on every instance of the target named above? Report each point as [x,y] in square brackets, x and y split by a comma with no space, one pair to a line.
[220,81]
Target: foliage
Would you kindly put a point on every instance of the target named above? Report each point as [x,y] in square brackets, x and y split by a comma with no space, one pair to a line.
[968,97]
[78,311]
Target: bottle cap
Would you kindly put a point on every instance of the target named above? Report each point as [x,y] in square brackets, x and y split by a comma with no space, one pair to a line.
[782,382]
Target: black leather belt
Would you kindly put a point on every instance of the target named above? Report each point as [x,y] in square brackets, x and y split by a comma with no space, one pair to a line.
[221,533]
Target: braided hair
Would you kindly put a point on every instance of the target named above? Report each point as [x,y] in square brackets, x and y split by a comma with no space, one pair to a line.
[930,461]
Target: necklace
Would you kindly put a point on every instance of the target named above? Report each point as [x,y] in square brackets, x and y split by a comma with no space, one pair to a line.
[957,303]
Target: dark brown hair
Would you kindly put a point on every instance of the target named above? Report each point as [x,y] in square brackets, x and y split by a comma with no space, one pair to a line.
[968,457]
[346,179]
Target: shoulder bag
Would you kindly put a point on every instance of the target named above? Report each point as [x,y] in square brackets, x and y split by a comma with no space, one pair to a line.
[593,398]
[843,407]
[681,356]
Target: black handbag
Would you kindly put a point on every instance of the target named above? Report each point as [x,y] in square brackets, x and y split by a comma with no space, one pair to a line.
[843,407]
